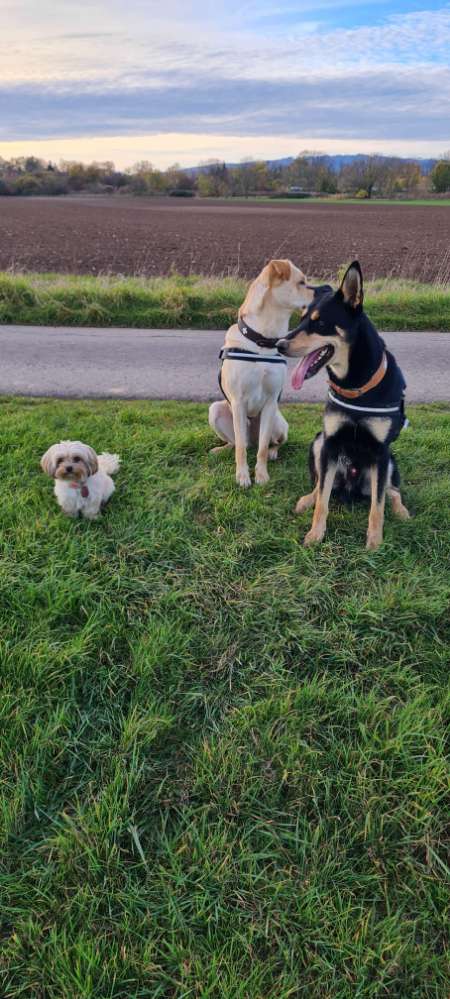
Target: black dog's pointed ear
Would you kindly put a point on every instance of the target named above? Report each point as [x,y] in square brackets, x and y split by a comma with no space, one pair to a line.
[352,285]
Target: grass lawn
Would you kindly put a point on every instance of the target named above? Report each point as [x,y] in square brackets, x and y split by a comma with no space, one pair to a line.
[222,753]
[195,301]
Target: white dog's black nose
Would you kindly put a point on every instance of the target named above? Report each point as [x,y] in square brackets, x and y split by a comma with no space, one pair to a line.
[69,468]
[282,346]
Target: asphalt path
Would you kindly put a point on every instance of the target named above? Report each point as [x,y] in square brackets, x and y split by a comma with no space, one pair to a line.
[65,362]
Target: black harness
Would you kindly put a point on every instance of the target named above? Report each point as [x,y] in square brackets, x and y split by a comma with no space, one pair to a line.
[397,415]
[382,397]
[237,354]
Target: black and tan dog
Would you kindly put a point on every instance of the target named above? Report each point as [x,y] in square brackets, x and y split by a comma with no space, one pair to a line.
[364,412]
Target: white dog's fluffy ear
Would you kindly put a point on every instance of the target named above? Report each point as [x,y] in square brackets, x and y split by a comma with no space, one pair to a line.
[90,458]
[48,461]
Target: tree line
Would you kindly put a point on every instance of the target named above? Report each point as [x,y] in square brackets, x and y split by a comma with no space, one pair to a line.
[308,173]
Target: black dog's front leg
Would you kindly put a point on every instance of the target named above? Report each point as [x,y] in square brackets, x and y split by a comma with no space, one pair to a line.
[378,480]
[327,472]
[307,501]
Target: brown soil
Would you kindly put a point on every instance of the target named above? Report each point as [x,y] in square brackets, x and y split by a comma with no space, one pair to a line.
[92,235]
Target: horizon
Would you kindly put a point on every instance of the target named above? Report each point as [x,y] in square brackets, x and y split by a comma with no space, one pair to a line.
[219,82]
[304,154]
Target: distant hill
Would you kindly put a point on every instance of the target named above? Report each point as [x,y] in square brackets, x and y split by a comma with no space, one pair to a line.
[334,162]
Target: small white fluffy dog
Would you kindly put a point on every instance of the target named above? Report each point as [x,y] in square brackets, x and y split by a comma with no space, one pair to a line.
[83,481]
[249,414]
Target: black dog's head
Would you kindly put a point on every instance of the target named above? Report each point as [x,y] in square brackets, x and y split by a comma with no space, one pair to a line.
[328,328]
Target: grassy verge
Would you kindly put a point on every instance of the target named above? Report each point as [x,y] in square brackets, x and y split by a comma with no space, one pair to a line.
[331,201]
[197,302]
[222,753]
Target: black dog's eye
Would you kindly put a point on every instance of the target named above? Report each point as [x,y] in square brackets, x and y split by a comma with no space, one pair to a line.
[318,322]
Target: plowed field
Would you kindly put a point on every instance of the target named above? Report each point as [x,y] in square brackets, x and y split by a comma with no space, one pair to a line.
[121,235]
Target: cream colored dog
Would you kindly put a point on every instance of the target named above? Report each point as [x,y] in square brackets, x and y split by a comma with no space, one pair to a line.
[250,414]
[83,482]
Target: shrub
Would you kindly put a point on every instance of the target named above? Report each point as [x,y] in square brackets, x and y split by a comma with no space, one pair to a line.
[440,176]
[293,195]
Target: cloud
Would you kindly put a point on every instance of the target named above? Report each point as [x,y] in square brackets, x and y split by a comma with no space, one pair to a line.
[51,48]
[406,104]
[213,70]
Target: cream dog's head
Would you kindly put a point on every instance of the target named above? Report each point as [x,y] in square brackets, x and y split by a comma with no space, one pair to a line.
[70,461]
[279,285]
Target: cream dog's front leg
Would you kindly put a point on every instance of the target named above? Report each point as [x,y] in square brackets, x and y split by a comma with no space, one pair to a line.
[265,435]
[240,424]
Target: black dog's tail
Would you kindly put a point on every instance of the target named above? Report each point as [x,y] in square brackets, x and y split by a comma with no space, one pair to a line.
[347,490]
[350,485]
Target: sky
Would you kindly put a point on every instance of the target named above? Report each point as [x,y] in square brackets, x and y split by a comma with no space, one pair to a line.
[178,82]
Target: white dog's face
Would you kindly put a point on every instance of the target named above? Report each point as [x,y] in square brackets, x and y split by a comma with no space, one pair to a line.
[280,284]
[70,461]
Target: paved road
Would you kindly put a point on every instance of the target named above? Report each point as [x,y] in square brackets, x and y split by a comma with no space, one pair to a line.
[173,364]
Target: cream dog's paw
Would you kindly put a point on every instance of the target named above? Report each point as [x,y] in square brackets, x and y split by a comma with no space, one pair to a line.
[261,476]
[243,478]
[374,539]
[314,537]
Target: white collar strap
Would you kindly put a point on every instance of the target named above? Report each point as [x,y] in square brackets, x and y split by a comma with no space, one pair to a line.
[363,409]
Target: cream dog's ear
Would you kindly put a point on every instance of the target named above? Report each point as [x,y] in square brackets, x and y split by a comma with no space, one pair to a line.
[48,461]
[275,272]
[279,270]
[256,293]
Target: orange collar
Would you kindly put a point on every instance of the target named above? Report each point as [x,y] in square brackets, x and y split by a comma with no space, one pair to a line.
[375,380]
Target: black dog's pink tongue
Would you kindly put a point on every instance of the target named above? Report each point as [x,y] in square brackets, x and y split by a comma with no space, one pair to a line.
[301,369]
